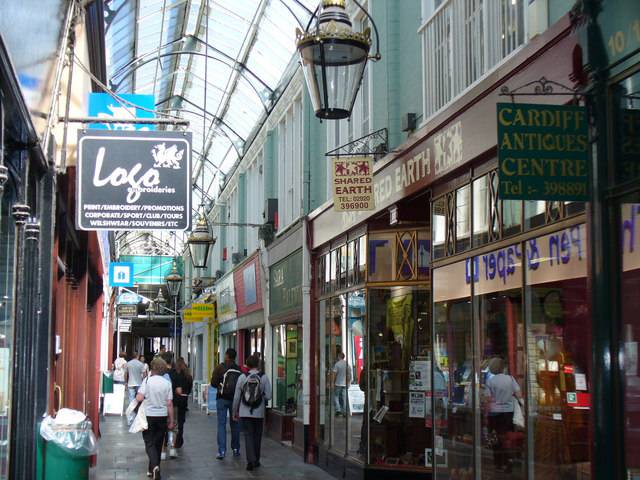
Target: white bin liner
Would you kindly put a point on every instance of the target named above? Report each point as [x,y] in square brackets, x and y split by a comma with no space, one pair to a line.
[71,431]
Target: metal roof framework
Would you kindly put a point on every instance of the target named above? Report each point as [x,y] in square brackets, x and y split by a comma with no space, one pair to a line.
[240,52]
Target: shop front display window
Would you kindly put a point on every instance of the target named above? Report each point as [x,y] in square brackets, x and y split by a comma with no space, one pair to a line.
[287,346]
[453,374]
[398,378]
[501,372]
[630,328]
[7,257]
[558,338]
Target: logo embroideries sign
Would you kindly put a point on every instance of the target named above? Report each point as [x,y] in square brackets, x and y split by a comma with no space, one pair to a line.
[134,180]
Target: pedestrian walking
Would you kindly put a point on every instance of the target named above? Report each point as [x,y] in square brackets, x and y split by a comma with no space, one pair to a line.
[120,369]
[135,374]
[341,377]
[182,386]
[224,379]
[253,391]
[157,394]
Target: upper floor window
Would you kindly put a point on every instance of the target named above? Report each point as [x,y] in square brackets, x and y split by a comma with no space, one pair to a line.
[290,165]
[462,40]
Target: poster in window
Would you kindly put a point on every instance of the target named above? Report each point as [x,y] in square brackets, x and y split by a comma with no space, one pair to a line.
[417,405]
[420,375]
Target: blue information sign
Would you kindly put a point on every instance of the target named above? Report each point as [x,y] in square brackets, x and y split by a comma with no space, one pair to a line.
[121,274]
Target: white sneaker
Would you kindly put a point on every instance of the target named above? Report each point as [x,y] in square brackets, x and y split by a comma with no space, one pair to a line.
[163,456]
[173,453]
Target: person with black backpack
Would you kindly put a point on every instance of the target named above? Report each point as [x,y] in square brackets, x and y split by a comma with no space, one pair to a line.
[253,391]
[224,379]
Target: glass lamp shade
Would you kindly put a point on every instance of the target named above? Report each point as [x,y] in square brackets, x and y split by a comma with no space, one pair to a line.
[200,242]
[333,60]
[159,301]
[151,311]
[173,281]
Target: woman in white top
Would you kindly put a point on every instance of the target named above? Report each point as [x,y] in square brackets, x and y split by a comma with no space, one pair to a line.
[120,369]
[157,394]
[502,390]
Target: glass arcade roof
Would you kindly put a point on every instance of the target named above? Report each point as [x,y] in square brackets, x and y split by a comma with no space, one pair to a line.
[221,69]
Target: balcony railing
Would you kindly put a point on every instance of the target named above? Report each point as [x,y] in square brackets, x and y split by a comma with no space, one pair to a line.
[462,41]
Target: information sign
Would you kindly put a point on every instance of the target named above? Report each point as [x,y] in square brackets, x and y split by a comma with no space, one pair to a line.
[134,180]
[353,184]
[128,310]
[543,152]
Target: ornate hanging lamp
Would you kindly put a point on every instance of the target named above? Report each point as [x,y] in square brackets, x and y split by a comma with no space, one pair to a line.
[173,280]
[334,57]
[200,242]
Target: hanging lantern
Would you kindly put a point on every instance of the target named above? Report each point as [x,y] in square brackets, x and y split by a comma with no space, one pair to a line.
[160,301]
[200,242]
[173,281]
[333,58]
[151,311]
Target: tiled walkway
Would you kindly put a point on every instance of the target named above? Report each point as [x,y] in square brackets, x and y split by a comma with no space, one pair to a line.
[121,456]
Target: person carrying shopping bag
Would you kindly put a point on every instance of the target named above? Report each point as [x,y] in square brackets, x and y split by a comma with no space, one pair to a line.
[157,394]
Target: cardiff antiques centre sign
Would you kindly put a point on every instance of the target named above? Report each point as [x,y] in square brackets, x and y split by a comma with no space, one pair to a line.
[543,152]
[134,180]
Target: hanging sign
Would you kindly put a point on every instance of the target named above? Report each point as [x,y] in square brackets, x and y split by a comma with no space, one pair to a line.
[352,184]
[543,152]
[127,310]
[202,310]
[134,180]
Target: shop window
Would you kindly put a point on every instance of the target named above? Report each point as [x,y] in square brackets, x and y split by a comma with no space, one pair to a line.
[439,226]
[342,267]
[558,337]
[463,218]
[453,380]
[481,208]
[7,306]
[402,255]
[626,103]
[630,328]
[342,375]
[511,217]
[497,290]
[287,346]
[398,377]
[534,213]
[333,270]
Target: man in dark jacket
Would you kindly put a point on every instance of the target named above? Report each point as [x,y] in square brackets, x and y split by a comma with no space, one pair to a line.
[224,379]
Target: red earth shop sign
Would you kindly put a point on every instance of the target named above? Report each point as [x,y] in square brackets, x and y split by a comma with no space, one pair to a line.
[353,184]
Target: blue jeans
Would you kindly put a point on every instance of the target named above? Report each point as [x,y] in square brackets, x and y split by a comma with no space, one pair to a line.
[132,393]
[340,399]
[222,407]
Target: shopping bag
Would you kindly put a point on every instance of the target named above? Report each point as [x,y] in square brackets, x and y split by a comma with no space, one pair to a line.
[518,416]
[139,423]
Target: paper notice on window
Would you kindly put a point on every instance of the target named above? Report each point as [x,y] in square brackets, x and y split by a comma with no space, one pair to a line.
[417,405]
[420,375]
[581,381]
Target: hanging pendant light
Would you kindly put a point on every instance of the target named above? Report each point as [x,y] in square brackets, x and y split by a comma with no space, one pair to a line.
[173,280]
[333,58]
[160,301]
[151,311]
[200,242]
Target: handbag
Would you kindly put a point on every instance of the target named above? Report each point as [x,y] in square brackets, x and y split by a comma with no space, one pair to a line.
[139,423]
[518,416]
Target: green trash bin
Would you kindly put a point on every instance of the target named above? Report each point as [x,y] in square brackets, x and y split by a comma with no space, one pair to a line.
[56,463]
[107,383]
[64,451]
